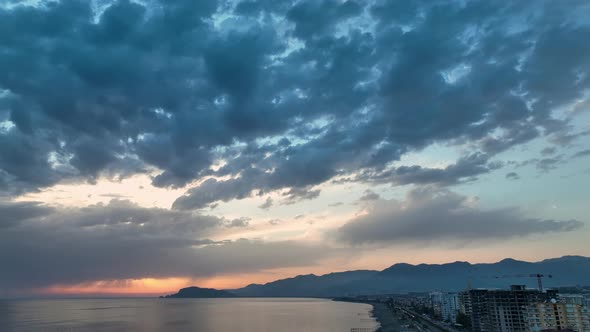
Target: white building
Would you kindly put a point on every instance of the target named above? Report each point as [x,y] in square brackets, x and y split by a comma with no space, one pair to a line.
[445,305]
[450,306]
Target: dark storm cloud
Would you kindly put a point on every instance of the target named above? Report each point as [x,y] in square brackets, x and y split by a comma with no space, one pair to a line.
[120,240]
[314,18]
[24,163]
[431,215]
[343,87]
[13,213]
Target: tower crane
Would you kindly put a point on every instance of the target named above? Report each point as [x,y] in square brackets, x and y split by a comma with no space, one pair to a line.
[539,276]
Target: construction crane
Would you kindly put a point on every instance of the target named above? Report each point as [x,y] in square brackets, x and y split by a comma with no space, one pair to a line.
[539,276]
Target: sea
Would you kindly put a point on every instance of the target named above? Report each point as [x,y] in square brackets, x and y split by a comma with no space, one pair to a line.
[235,315]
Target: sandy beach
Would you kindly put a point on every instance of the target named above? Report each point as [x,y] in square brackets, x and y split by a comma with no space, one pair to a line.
[385,318]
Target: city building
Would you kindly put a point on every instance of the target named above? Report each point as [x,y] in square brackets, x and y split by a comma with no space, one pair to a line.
[450,306]
[436,303]
[494,310]
[445,305]
[557,316]
[572,298]
[474,304]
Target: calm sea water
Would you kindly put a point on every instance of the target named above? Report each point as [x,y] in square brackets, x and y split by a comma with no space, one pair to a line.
[266,314]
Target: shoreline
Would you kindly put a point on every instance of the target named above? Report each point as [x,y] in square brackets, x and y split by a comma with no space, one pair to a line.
[381,313]
[383,316]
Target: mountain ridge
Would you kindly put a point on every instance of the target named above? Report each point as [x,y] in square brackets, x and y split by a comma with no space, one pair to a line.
[404,277]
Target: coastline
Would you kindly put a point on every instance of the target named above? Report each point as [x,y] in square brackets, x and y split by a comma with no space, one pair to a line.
[381,313]
[384,317]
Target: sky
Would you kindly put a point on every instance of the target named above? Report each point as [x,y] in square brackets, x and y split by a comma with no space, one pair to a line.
[151,145]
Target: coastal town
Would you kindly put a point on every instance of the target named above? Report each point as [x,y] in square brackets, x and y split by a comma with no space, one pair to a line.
[513,309]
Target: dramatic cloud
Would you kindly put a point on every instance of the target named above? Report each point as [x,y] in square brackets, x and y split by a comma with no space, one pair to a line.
[41,246]
[282,100]
[437,216]
[287,94]
[13,213]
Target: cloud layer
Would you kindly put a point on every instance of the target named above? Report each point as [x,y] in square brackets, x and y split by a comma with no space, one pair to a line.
[442,218]
[42,246]
[287,94]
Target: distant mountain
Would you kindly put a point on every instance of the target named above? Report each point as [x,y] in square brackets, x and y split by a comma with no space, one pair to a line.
[401,278]
[196,292]
[308,285]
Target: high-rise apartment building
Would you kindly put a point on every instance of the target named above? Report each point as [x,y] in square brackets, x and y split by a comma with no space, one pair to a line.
[501,310]
[450,306]
[474,303]
[436,303]
[445,305]
[557,316]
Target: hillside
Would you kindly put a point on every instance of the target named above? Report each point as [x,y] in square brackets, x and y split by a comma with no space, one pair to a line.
[196,292]
[400,278]
[403,278]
